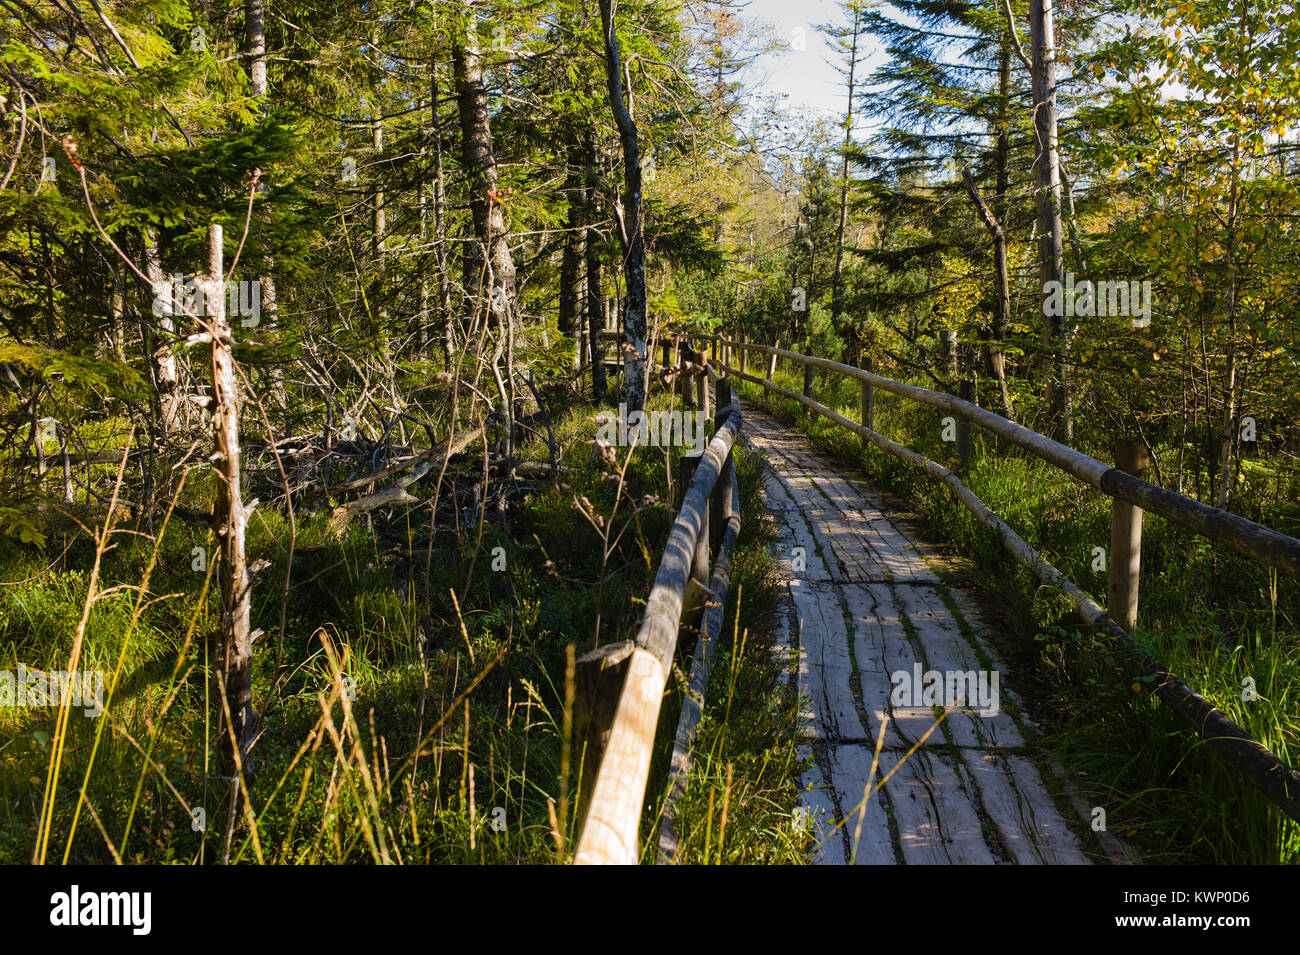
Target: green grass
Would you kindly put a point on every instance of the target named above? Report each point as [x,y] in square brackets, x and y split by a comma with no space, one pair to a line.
[1209,614]
[452,750]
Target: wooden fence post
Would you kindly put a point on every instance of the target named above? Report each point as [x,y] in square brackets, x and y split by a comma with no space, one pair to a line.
[1126,540]
[808,372]
[598,683]
[687,466]
[724,393]
[702,384]
[720,505]
[963,425]
[771,364]
[868,398]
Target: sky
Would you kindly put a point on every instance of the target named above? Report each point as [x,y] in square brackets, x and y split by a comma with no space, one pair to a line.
[802,67]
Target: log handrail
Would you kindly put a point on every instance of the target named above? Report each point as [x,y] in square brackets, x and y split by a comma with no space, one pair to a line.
[688,723]
[1277,780]
[611,817]
[1261,543]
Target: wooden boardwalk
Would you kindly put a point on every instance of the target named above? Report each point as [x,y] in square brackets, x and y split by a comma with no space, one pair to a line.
[865,604]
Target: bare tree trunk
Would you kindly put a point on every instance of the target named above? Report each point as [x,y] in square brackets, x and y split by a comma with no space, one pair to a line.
[446,320]
[422,309]
[236,720]
[595,295]
[634,315]
[255,50]
[1051,249]
[163,356]
[1230,383]
[837,281]
[378,226]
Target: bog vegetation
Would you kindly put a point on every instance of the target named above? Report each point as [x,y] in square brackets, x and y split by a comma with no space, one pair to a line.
[307,312]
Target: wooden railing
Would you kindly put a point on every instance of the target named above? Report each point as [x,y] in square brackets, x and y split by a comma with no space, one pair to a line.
[620,687]
[1130,496]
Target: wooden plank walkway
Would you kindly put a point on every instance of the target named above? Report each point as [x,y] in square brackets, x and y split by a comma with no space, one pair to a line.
[865,604]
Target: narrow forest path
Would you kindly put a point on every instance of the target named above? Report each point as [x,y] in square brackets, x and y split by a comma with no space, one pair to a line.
[865,601]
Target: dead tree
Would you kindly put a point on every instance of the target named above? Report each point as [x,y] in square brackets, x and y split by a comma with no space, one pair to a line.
[236,722]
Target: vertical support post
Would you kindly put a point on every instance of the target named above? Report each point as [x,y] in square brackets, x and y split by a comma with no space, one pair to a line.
[808,372]
[963,426]
[771,364]
[1126,540]
[868,398]
[687,467]
[724,393]
[598,683]
[720,505]
[702,395]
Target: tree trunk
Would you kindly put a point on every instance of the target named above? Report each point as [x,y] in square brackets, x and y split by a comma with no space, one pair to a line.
[595,294]
[378,226]
[1002,288]
[446,320]
[634,313]
[491,251]
[162,355]
[236,721]
[255,50]
[837,282]
[1051,249]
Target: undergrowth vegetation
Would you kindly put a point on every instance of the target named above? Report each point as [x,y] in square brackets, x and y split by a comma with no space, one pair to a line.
[412,690]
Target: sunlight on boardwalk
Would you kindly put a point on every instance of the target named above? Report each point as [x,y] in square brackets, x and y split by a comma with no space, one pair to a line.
[865,603]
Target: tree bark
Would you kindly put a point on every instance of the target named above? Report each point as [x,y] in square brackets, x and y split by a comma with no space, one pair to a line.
[595,295]
[837,281]
[1051,250]
[255,50]
[478,160]
[163,356]
[236,721]
[1002,287]
[446,320]
[634,312]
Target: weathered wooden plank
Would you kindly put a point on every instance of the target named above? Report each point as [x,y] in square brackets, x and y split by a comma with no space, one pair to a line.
[820,815]
[824,654]
[938,823]
[1032,829]
[866,825]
